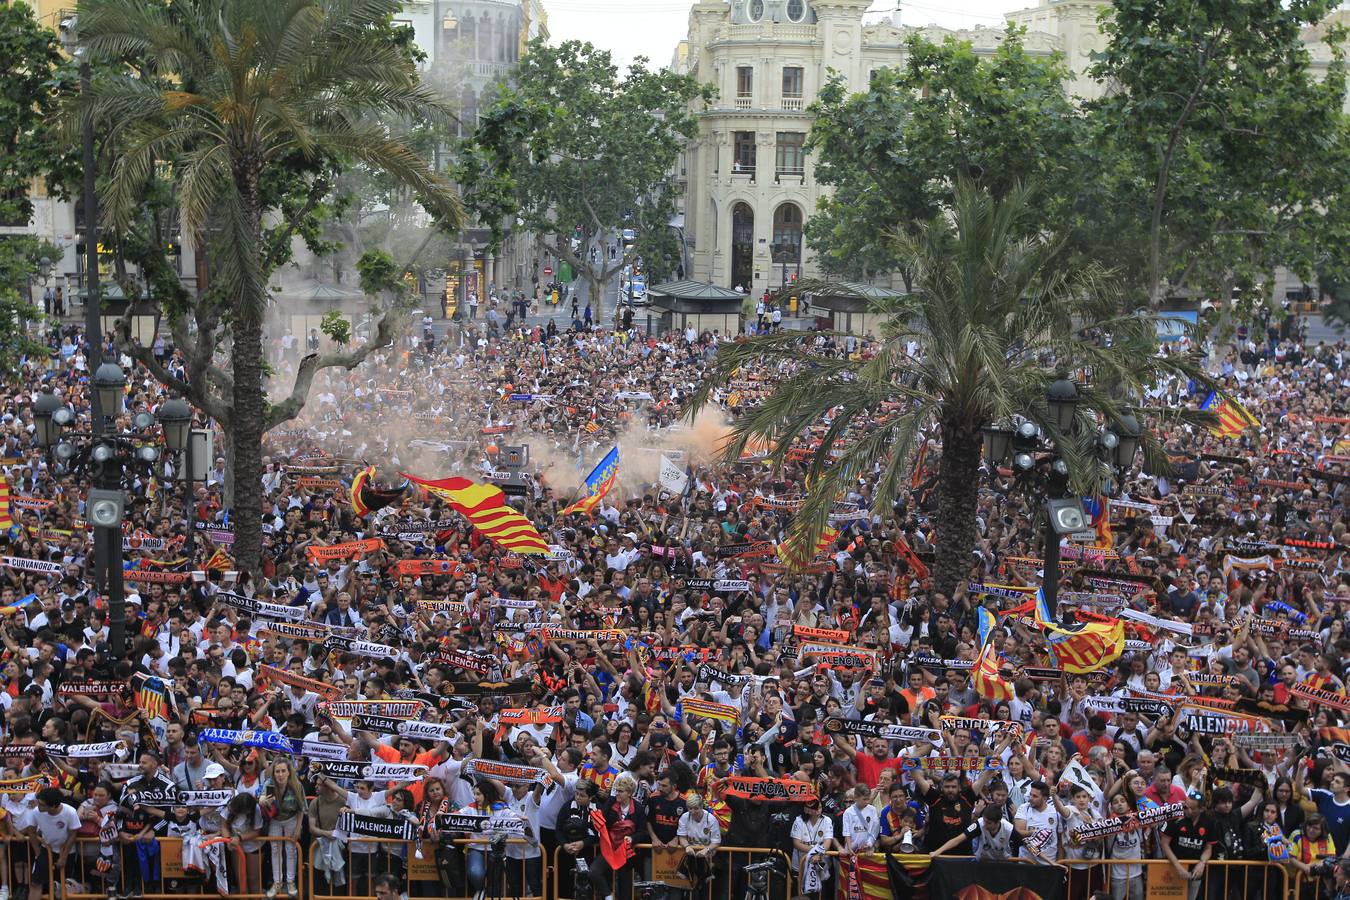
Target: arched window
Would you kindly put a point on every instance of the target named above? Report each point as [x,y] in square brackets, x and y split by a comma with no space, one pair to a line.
[787,233]
[756,10]
[742,246]
[796,10]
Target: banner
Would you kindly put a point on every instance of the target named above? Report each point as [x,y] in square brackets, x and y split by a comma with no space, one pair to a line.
[1152,709]
[361,825]
[32,565]
[115,749]
[1203,721]
[150,576]
[938,664]
[954,763]
[371,649]
[318,750]
[294,631]
[259,607]
[769,790]
[993,727]
[717,585]
[171,796]
[313,685]
[263,740]
[601,635]
[672,478]
[22,787]
[835,656]
[692,706]
[476,823]
[1146,818]
[957,879]
[1318,696]
[348,550]
[1266,741]
[836,725]
[377,724]
[1154,623]
[511,773]
[829,635]
[463,659]
[91,688]
[394,709]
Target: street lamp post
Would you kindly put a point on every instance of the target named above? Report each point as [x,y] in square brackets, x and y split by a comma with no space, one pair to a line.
[175,416]
[104,455]
[1116,446]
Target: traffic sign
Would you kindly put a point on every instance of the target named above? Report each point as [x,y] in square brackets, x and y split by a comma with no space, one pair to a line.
[548,270]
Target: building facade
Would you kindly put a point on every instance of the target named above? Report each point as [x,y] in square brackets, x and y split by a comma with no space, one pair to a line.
[749,185]
[471,46]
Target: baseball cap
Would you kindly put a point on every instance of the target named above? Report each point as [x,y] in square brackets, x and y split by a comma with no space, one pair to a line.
[214,770]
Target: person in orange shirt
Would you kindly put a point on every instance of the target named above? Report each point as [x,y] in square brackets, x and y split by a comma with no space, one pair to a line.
[918,691]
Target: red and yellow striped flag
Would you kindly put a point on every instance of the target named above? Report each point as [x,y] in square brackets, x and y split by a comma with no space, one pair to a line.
[484,505]
[588,504]
[1233,418]
[791,555]
[6,520]
[986,678]
[220,561]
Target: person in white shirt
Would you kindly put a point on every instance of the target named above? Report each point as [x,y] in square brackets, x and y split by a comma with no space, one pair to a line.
[862,823]
[700,836]
[55,825]
[1038,817]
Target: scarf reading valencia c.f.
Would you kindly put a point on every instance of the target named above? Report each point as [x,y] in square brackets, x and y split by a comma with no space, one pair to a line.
[313,685]
[782,790]
[511,773]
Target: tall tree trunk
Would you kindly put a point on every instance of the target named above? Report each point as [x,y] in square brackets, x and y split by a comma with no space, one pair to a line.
[958,487]
[247,433]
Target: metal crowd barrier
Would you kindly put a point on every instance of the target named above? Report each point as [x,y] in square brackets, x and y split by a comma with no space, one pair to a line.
[167,868]
[655,872]
[172,870]
[1147,879]
[425,869]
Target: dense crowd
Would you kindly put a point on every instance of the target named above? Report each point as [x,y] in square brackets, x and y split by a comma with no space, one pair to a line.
[393,694]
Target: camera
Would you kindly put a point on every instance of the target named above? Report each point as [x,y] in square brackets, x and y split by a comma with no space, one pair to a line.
[1323,868]
[649,890]
[759,874]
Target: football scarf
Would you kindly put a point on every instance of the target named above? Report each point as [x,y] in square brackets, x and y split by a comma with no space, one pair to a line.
[770,790]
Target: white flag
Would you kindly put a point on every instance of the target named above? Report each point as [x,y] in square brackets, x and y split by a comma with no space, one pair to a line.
[673,478]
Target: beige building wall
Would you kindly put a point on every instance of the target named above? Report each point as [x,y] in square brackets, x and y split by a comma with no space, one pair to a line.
[730,207]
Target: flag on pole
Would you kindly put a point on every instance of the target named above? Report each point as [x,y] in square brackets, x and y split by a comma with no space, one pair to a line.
[484,505]
[1081,648]
[6,520]
[599,483]
[791,552]
[1233,419]
[985,677]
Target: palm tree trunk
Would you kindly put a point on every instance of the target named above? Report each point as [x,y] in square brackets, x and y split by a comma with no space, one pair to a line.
[247,433]
[958,486]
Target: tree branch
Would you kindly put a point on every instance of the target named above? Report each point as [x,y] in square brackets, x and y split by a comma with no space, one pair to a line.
[309,367]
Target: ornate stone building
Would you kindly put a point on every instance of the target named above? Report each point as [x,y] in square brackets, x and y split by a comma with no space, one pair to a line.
[749,186]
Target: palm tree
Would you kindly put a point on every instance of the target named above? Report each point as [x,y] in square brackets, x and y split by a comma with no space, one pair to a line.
[227,92]
[999,315]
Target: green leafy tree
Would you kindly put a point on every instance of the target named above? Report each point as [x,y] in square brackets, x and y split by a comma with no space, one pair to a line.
[894,153]
[1221,153]
[577,152]
[993,300]
[236,95]
[32,74]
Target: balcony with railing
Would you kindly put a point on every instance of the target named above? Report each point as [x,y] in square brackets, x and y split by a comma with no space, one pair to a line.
[743,170]
[743,101]
[793,104]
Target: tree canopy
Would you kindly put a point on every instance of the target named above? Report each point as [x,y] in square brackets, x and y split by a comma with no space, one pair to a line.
[577,151]
[894,153]
[255,108]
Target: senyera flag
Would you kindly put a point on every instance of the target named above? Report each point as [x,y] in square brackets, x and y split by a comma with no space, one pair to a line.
[484,505]
[599,483]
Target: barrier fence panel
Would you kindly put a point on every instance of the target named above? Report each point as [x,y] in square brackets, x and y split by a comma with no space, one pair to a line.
[1141,879]
[666,872]
[448,871]
[171,867]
